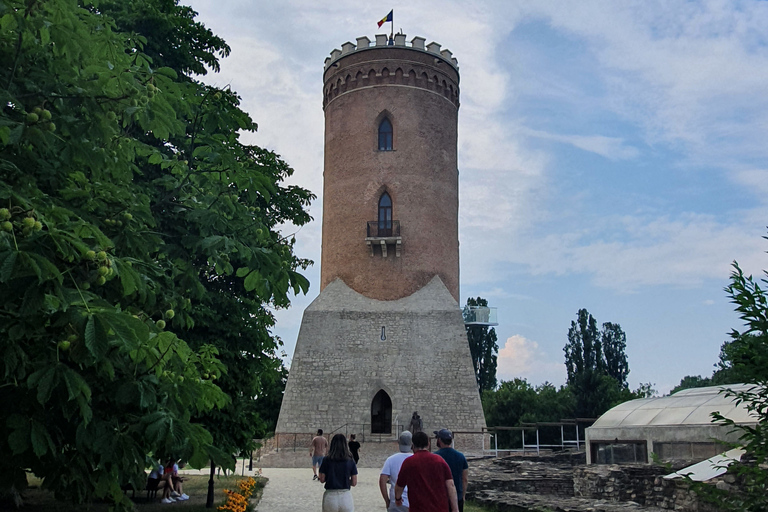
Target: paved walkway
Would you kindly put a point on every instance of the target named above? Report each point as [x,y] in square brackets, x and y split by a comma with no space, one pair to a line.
[293,490]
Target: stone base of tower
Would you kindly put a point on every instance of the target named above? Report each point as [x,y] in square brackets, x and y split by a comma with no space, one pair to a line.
[363,366]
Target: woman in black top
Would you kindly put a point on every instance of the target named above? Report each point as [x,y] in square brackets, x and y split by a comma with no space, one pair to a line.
[338,472]
[354,447]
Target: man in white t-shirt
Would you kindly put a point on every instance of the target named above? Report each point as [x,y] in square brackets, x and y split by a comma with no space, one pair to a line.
[390,471]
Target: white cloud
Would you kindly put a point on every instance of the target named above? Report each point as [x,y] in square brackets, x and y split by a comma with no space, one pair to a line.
[689,73]
[522,358]
[612,148]
[624,253]
[754,181]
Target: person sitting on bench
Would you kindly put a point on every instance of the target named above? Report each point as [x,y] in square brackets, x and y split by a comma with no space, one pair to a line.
[173,483]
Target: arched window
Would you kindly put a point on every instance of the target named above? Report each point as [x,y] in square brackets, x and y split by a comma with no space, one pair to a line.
[381,413]
[385,215]
[385,135]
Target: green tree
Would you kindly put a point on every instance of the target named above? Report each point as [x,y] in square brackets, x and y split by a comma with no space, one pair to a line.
[690,382]
[737,359]
[516,402]
[596,365]
[583,352]
[614,344]
[244,341]
[748,354]
[484,349]
[132,219]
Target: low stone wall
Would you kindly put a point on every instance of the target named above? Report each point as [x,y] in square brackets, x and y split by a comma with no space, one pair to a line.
[643,484]
[521,484]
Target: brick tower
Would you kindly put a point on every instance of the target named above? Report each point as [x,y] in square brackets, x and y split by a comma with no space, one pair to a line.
[385,337]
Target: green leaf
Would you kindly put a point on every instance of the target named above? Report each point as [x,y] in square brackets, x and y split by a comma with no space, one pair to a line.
[254,281]
[18,440]
[90,335]
[169,72]
[76,385]
[15,135]
[7,259]
[47,382]
[41,441]
[129,331]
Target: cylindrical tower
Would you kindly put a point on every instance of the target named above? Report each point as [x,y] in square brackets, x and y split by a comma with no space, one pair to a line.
[386,326]
[390,198]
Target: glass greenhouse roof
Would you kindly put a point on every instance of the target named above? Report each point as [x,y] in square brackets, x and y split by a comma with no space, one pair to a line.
[686,407]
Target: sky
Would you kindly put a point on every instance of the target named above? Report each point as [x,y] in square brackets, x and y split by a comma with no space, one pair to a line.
[612,156]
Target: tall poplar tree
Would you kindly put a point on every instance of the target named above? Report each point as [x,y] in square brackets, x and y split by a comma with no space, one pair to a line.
[596,365]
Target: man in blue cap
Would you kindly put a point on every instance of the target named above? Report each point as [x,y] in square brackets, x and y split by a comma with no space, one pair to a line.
[456,461]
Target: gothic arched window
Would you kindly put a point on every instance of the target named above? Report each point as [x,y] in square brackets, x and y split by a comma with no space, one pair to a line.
[385,135]
[385,215]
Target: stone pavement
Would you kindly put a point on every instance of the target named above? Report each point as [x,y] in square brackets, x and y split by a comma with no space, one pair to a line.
[293,490]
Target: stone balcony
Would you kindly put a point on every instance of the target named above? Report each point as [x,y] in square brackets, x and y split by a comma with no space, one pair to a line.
[382,235]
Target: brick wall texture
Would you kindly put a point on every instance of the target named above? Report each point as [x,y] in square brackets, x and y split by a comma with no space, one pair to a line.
[418,93]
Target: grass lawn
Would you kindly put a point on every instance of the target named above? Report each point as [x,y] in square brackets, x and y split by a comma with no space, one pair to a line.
[38,500]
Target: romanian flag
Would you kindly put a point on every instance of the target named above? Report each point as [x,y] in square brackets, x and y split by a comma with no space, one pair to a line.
[386,18]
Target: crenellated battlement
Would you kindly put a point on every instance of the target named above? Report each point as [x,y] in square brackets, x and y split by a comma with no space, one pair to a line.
[382,41]
[413,64]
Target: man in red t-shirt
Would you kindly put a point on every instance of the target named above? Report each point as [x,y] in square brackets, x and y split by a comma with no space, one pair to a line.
[428,478]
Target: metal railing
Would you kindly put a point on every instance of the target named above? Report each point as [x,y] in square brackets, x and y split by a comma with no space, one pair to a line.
[376,229]
[301,440]
[577,442]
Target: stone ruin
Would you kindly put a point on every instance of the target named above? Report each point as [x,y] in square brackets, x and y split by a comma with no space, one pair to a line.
[563,482]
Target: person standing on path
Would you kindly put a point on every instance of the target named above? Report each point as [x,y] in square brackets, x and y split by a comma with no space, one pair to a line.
[354,447]
[317,450]
[456,461]
[339,473]
[428,478]
[390,471]
[416,425]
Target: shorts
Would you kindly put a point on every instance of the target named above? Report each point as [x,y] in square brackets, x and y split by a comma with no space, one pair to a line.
[317,460]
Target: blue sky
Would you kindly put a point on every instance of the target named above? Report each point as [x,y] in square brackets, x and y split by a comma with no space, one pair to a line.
[612,156]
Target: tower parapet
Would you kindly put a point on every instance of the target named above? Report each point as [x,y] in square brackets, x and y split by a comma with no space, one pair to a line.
[417,43]
[368,64]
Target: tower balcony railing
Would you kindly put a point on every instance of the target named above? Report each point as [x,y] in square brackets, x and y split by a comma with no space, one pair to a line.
[480,315]
[380,234]
[378,229]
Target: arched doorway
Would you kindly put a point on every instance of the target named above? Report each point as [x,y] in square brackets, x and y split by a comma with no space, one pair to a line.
[381,413]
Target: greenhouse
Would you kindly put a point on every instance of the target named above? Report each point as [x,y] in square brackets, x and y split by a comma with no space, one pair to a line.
[675,428]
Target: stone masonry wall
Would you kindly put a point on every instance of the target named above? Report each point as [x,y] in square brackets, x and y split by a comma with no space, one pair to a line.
[642,484]
[555,484]
[341,362]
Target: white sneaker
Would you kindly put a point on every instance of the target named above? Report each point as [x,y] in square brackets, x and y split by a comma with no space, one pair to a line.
[166,500]
[174,494]
[183,497]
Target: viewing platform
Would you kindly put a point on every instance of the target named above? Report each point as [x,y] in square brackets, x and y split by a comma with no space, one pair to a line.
[480,315]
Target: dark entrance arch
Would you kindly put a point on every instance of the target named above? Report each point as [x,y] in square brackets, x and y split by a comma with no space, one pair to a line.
[381,413]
